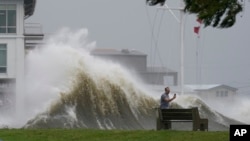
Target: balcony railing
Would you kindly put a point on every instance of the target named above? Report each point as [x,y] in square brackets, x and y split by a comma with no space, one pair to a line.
[33,29]
[33,33]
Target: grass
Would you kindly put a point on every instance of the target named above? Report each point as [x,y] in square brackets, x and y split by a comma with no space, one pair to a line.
[108,135]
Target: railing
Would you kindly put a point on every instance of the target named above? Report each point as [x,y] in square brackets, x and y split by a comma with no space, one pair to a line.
[33,28]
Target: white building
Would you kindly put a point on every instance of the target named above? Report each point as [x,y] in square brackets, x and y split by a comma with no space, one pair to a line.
[213,92]
[136,61]
[12,45]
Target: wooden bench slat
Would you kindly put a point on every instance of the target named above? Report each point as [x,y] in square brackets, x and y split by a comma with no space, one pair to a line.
[166,116]
[177,118]
[177,114]
[178,121]
[177,110]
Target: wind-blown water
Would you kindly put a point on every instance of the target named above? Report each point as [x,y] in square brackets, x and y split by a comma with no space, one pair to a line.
[66,87]
[238,108]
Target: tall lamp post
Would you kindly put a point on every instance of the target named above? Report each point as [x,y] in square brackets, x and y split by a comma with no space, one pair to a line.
[180,21]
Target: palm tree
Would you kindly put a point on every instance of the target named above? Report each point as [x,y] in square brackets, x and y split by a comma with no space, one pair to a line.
[215,13]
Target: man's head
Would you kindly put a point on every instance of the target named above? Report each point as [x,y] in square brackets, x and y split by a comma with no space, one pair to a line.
[167,90]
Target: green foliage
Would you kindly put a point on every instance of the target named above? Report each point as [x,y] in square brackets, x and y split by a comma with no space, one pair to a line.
[155,2]
[215,13]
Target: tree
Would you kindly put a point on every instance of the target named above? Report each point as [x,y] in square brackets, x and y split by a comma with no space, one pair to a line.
[215,13]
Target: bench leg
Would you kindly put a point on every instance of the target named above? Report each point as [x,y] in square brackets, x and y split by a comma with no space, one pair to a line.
[203,124]
[195,125]
[163,125]
[167,125]
[159,124]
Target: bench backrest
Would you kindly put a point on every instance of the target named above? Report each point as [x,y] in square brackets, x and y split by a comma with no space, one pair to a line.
[178,114]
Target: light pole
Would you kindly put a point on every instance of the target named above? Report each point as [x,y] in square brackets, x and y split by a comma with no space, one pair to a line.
[180,21]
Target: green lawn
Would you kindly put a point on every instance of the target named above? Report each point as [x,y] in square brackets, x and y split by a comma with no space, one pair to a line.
[108,135]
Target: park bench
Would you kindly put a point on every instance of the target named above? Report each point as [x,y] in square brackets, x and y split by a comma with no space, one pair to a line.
[166,116]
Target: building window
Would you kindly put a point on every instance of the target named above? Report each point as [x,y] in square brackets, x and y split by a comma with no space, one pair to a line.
[217,93]
[221,93]
[7,18]
[226,93]
[3,58]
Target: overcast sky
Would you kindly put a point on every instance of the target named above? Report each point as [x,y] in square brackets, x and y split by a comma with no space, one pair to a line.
[223,54]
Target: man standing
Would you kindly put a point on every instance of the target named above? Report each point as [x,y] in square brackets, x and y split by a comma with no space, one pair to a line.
[165,100]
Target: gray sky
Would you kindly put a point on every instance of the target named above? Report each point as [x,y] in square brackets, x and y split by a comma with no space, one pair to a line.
[223,54]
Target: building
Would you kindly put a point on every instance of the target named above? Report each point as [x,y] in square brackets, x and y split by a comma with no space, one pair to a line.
[157,75]
[136,61]
[12,45]
[212,92]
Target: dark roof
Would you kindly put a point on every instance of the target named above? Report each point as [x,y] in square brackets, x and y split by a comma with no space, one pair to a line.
[210,87]
[227,87]
[29,7]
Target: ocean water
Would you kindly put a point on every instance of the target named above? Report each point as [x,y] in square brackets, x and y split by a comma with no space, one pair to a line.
[66,87]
